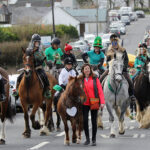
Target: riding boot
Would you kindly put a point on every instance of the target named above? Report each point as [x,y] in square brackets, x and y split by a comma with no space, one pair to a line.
[87,140]
[131,91]
[2,91]
[104,75]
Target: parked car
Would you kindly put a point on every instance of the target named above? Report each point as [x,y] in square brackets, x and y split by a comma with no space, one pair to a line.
[115,30]
[90,38]
[134,16]
[125,20]
[140,14]
[13,82]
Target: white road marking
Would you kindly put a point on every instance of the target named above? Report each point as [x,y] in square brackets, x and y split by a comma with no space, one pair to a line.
[142,136]
[131,127]
[61,134]
[39,145]
[133,121]
[135,136]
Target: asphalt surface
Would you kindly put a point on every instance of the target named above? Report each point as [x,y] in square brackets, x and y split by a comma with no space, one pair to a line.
[133,139]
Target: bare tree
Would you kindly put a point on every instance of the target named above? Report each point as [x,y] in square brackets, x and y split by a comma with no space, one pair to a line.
[127,2]
[141,2]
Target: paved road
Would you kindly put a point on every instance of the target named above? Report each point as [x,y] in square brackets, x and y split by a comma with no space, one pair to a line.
[135,34]
[134,138]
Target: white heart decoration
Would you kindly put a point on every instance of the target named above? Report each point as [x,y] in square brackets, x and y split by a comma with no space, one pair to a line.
[71,111]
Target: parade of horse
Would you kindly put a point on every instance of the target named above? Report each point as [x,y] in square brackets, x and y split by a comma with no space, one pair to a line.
[60,98]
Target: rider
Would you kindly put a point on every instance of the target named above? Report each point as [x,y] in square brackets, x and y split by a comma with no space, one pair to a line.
[39,59]
[54,53]
[141,58]
[96,56]
[68,53]
[65,73]
[113,49]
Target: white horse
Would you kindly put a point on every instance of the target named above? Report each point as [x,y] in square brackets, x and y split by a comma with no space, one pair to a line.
[116,95]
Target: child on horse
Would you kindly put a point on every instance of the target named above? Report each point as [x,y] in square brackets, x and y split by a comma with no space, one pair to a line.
[113,49]
[141,59]
[54,53]
[65,73]
[96,56]
[39,59]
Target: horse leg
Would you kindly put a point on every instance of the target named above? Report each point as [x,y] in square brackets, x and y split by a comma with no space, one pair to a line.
[48,114]
[51,122]
[58,122]
[35,124]
[2,133]
[80,127]
[99,119]
[111,120]
[66,128]
[41,116]
[27,132]
[74,136]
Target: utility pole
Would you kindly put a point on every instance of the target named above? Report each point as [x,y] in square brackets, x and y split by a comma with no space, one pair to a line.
[54,33]
[97,17]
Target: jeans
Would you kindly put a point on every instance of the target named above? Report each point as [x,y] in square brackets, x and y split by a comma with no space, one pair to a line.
[86,110]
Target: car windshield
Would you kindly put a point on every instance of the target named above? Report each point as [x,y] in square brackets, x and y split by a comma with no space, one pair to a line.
[124,18]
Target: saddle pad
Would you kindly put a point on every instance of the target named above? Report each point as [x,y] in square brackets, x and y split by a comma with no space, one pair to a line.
[71,111]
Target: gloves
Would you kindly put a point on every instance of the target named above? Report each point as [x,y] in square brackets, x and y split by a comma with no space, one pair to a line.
[63,86]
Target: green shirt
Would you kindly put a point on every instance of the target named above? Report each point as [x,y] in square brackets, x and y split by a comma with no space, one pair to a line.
[39,57]
[54,54]
[95,58]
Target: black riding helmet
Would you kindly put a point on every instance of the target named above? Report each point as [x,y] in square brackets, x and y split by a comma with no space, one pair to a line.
[113,37]
[143,45]
[55,41]
[36,37]
[68,61]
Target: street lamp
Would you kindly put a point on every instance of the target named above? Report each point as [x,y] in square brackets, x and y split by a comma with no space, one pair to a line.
[97,19]
[53,19]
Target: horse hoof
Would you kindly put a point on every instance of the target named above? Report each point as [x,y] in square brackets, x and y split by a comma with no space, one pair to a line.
[58,129]
[42,134]
[112,136]
[36,125]
[2,142]
[122,133]
[78,141]
[44,131]
[74,140]
[67,143]
[101,127]
[26,135]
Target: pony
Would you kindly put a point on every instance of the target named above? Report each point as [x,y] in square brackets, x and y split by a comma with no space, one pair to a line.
[141,90]
[6,110]
[72,98]
[116,95]
[31,93]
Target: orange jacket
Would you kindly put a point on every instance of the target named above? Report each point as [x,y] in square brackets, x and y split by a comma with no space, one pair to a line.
[89,90]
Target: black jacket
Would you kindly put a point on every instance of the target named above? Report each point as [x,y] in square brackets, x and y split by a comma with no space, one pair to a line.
[71,56]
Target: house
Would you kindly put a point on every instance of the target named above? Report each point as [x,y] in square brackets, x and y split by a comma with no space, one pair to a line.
[73,4]
[5,14]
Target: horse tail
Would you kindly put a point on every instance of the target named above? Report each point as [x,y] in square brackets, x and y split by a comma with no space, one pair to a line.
[11,111]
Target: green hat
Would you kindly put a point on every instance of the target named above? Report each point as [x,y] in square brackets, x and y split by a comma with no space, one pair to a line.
[57,87]
[98,42]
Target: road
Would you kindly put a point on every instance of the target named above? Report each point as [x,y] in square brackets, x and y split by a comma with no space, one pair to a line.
[134,138]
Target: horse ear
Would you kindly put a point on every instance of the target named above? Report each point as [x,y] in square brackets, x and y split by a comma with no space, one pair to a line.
[23,50]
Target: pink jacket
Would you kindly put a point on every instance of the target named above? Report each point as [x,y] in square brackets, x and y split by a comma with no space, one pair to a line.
[89,90]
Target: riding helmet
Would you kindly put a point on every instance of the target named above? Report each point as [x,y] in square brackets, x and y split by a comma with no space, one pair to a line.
[113,37]
[35,37]
[55,41]
[143,45]
[68,61]
[68,47]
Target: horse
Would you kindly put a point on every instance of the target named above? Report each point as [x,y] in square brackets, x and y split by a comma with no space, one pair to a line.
[72,99]
[141,89]
[31,93]
[6,110]
[116,95]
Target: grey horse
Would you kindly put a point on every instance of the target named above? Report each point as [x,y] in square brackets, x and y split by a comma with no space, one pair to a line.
[116,95]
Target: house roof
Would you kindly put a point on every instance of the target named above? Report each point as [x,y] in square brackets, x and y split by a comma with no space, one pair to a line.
[24,15]
[37,3]
[88,15]
[4,9]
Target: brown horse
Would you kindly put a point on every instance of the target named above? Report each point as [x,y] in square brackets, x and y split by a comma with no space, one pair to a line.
[31,93]
[73,96]
[6,111]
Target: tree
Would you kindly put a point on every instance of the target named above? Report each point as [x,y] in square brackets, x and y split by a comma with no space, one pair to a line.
[141,2]
[127,2]
[82,2]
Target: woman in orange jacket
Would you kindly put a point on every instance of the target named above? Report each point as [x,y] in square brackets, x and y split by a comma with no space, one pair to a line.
[88,78]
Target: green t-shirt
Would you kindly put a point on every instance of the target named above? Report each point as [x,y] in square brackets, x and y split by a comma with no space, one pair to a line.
[54,54]
[95,58]
[39,57]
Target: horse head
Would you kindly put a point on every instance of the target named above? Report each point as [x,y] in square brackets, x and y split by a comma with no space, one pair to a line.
[75,87]
[116,68]
[28,61]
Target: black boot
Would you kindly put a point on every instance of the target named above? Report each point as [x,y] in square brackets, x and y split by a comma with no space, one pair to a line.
[87,142]
[93,143]
[2,91]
